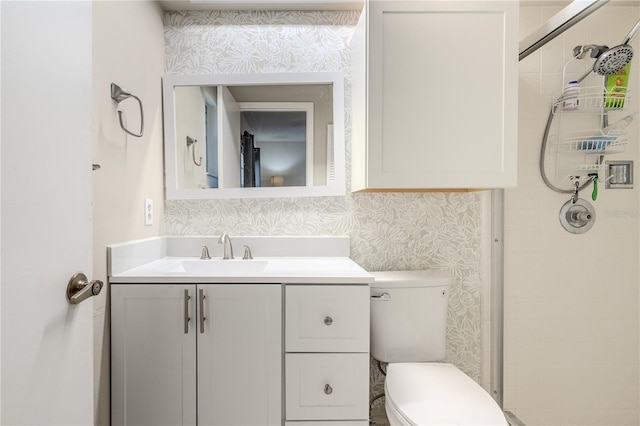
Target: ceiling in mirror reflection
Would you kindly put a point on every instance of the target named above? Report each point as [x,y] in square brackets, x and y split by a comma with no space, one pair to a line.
[283,126]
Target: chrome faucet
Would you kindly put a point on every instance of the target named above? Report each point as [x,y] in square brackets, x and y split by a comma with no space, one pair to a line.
[205,253]
[228,248]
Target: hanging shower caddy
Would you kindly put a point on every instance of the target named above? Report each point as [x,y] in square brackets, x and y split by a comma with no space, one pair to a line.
[579,148]
[582,137]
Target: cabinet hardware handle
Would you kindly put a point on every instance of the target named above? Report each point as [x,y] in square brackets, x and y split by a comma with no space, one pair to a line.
[202,317]
[186,311]
[328,320]
[384,297]
[328,389]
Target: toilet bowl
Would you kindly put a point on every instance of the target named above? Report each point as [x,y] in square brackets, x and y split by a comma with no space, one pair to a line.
[408,331]
[434,393]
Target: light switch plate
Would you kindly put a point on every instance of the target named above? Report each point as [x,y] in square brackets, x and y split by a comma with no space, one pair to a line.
[148,212]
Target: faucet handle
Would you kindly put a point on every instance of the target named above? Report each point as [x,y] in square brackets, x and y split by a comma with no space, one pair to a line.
[247,253]
[205,253]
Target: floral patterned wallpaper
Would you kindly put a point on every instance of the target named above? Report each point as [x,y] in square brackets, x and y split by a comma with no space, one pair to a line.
[389,231]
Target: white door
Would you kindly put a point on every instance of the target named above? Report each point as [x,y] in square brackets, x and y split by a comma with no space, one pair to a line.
[47,344]
[228,140]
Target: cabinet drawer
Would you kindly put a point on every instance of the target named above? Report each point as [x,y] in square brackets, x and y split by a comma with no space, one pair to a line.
[330,318]
[327,386]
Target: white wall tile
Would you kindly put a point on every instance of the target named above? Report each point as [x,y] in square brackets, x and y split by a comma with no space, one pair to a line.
[572,302]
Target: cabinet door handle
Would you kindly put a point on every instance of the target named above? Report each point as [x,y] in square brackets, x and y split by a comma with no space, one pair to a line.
[328,320]
[201,297]
[186,311]
[328,389]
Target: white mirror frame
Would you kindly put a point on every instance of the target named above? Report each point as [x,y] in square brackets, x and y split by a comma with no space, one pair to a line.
[335,187]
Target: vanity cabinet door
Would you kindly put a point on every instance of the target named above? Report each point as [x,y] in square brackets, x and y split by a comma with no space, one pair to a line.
[153,358]
[435,95]
[239,354]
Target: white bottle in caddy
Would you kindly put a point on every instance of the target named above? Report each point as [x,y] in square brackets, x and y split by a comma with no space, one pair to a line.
[570,96]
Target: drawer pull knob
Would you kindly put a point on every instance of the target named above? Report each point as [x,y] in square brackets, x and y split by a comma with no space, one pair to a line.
[328,389]
[328,321]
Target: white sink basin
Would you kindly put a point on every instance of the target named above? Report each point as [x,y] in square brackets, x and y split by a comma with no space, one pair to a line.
[222,267]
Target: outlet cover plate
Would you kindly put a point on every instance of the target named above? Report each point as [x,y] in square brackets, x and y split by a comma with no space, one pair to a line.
[148,212]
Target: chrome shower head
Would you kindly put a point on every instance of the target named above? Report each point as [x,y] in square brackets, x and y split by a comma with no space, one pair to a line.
[613,60]
[609,60]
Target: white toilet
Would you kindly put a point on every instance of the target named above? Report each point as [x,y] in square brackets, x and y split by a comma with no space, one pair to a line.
[408,331]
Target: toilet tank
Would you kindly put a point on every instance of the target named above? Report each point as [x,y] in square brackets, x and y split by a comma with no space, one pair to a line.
[409,315]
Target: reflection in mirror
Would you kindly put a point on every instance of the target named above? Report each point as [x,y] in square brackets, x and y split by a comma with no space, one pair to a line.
[282,133]
[265,135]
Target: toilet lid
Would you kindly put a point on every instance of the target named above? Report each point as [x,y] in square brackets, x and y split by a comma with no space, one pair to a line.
[409,279]
[439,394]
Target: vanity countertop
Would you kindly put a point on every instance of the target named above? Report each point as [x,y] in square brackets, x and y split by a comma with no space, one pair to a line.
[285,260]
[287,270]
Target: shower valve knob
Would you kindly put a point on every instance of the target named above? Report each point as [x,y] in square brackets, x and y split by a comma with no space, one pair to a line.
[577,217]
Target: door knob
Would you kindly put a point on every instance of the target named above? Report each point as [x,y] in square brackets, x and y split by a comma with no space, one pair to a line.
[79,288]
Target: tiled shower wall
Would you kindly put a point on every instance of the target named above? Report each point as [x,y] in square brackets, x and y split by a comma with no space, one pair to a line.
[393,231]
[571,301]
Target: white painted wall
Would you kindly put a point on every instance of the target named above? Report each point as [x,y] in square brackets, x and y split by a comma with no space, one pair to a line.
[128,50]
[571,301]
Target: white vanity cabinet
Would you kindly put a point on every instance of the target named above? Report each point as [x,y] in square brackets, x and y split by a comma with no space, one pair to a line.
[435,95]
[276,340]
[186,354]
[327,354]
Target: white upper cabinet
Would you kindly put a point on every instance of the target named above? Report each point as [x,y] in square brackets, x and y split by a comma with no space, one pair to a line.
[435,90]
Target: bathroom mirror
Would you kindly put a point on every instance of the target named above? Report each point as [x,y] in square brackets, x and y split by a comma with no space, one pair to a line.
[259,135]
